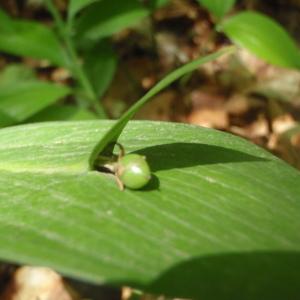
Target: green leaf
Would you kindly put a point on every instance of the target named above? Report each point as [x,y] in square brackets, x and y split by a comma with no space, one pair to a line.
[159,3]
[26,38]
[100,65]
[23,99]
[112,135]
[16,73]
[6,120]
[218,8]
[62,113]
[155,4]
[22,95]
[106,17]
[77,5]
[263,37]
[220,219]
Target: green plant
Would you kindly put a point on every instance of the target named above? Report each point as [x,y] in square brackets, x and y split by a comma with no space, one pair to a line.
[219,219]
[81,36]
[218,7]
[22,94]
[257,33]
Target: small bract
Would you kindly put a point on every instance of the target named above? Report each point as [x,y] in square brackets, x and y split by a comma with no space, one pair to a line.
[133,171]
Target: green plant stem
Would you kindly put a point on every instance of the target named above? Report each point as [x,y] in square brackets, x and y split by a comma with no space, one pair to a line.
[74,61]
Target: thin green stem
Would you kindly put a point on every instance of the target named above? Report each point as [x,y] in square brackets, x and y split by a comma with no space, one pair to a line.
[74,64]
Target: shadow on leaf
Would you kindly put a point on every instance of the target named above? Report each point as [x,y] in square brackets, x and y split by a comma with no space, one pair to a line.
[240,276]
[181,155]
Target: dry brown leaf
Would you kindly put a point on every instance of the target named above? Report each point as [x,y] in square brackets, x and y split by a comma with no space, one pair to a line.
[160,108]
[237,105]
[283,123]
[212,118]
[37,283]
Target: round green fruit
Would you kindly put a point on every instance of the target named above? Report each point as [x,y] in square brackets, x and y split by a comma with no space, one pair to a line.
[133,171]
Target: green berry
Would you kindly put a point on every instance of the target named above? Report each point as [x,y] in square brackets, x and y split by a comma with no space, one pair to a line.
[133,171]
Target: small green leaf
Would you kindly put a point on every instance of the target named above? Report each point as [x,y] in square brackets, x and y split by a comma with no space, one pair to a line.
[5,22]
[160,3]
[14,73]
[22,95]
[76,6]
[218,8]
[6,120]
[155,4]
[112,135]
[100,65]
[61,113]
[220,220]
[26,38]
[22,100]
[81,114]
[263,37]
[106,17]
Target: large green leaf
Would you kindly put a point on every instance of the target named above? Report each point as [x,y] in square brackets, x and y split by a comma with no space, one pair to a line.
[218,7]
[20,100]
[220,219]
[106,17]
[263,37]
[27,38]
